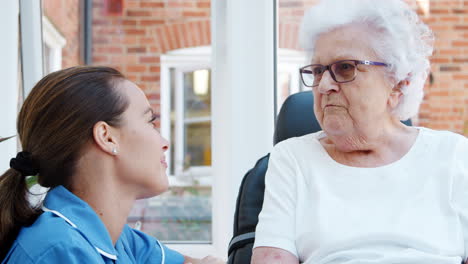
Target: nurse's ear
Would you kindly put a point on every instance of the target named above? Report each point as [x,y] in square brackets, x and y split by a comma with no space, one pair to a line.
[105,138]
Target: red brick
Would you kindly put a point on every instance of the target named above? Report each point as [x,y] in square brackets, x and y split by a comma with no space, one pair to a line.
[460,60]
[136,68]
[139,13]
[155,69]
[134,31]
[102,31]
[136,50]
[173,4]
[131,4]
[152,4]
[450,52]
[101,22]
[195,14]
[148,41]
[450,19]
[149,59]
[460,43]
[100,40]
[151,22]
[175,34]
[208,32]
[129,22]
[150,78]
[460,77]
[204,5]
[194,34]
[161,40]
[157,49]
[440,11]
[100,58]
[188,35]
[170,38]
[109,49]
[460,11]
[129,40]
[182,36]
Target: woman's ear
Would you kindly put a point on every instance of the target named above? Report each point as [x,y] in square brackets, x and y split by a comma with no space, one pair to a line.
[105,138]
[396,93]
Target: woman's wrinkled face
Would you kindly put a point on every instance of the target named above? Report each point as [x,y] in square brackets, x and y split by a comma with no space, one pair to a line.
[347,108]
[141,160]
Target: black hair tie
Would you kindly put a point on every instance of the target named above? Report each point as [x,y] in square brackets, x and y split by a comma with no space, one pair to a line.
[24,164]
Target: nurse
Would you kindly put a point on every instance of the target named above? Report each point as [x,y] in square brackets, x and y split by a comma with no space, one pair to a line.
[89,135]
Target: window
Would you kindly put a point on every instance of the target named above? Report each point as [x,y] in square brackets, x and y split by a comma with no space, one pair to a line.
[183,215]
[53,43]
[190,125]
[288,78]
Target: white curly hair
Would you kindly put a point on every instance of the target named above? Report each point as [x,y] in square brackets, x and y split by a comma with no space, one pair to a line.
[404,42]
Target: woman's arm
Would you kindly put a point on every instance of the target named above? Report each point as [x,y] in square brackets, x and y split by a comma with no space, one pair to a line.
[205,260]
[271,255]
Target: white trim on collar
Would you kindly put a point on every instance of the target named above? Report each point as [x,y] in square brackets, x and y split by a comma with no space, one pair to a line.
[102,252]
[45,209]
[163,254]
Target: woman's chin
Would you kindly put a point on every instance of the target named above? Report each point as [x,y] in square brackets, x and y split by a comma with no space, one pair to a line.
[335,126]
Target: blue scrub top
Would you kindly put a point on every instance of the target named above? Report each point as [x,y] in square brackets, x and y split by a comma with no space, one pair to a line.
[69,231]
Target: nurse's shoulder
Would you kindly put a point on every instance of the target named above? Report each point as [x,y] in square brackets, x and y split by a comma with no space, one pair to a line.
[52,240]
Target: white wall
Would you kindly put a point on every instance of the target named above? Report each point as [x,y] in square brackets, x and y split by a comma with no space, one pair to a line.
[242,100]
[31,40]
[9,77]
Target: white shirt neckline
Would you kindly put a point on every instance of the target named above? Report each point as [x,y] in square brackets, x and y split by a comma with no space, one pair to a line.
[407,156]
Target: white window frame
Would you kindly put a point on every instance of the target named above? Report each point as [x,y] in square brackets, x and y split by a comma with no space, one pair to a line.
[31,43]
[10,80]
[182,60]
[55,42]
[188,60]
[289,61]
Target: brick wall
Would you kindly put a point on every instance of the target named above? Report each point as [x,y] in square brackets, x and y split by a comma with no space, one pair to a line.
[446,101]
[134,39]
[445,104]
[65,15]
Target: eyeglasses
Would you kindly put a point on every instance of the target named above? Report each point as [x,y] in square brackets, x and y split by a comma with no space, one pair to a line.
[341,71]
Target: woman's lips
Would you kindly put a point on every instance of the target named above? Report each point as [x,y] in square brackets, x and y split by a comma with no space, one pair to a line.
[163,162]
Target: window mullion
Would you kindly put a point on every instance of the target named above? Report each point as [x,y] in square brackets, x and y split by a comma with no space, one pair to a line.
[179,122]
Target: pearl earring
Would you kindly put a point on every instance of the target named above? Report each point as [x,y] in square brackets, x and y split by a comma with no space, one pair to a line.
[114,151]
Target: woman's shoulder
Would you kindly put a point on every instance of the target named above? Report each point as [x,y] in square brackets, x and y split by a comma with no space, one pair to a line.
[47,235]
[443,138]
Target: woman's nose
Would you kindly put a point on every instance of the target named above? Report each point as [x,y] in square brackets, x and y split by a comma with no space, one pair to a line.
[327,84]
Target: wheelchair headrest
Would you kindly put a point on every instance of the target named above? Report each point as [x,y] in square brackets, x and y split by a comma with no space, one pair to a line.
[296,117]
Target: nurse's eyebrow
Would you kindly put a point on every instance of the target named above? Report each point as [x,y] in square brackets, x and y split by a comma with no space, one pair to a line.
[148,110]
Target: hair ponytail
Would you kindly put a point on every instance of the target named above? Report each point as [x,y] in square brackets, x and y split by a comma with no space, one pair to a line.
[15,209]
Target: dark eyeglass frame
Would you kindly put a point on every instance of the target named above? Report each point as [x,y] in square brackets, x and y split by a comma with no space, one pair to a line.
[304,70]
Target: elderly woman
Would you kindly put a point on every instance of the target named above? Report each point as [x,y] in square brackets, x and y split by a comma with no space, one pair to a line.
[366,189]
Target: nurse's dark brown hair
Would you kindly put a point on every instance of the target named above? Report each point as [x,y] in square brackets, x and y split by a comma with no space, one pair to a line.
[54,124]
